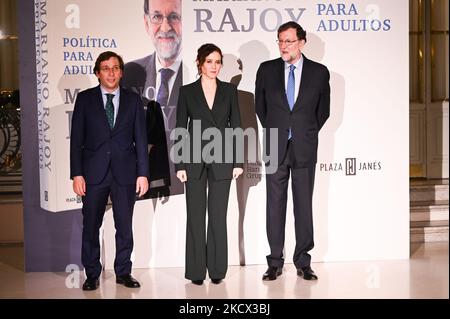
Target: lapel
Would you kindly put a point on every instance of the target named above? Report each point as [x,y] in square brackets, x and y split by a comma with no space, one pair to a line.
[100,107]
[281,82]
[122,108]
[305,80]
[218,98]
[173,98]
[150,69]
[201,99]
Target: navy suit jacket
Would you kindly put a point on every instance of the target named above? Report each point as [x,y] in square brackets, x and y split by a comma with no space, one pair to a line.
[95,148]
[309,114]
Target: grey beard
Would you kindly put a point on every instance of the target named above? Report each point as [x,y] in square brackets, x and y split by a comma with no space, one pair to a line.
[291,56]
[169,52]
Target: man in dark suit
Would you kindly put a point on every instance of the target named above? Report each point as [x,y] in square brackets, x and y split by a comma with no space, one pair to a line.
[108,157]
[157,78]
[292,95]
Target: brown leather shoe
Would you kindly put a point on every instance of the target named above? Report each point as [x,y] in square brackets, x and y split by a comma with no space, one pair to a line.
[306,273]
[272,273]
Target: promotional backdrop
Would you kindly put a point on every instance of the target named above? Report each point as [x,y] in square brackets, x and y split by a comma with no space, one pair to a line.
[361,197]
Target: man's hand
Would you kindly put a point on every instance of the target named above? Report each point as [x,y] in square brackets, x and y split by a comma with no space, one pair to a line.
[182,176]
[141,185]
[79,185]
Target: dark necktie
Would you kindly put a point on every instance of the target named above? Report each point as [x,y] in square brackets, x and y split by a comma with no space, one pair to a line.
[290,92]
[163,92]
[109,108]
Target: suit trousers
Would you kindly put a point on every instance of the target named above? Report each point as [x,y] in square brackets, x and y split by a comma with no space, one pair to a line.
[302,194]
[206,250]
[94,205]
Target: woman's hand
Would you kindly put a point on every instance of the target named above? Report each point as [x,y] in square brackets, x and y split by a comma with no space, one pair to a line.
[182,176]
[237,171]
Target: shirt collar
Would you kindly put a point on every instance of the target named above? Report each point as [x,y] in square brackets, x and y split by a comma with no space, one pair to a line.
[174,67]
[115,92]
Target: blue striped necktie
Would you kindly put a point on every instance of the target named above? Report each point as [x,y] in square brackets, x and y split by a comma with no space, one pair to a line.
[163,92]
[290,92]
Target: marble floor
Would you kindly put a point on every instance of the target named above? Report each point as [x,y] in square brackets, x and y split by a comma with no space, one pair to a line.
[424,275]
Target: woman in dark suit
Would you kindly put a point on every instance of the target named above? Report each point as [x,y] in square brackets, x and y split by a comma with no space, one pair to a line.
[211,105]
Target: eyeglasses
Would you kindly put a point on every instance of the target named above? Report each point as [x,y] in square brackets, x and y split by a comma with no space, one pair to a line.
[157,18]
[106,69]
[287,42]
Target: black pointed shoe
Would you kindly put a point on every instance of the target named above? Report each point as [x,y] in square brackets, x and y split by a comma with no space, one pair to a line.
[127,281]
[216,281]
[306,273]
[272,273]
[91,284]
[197,282]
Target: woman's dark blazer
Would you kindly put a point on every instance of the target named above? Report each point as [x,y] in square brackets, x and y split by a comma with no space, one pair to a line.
[224,115]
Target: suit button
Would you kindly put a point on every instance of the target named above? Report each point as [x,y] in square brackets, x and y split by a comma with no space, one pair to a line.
[108,153]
